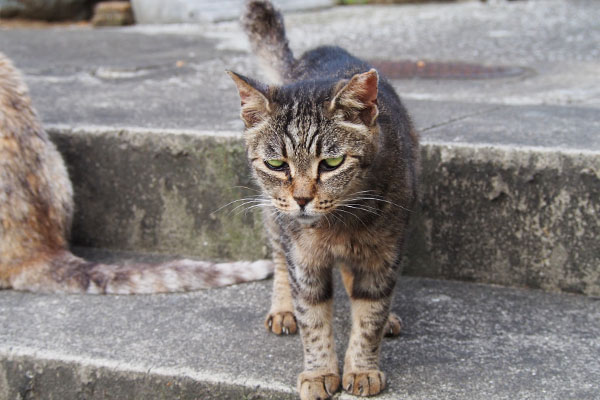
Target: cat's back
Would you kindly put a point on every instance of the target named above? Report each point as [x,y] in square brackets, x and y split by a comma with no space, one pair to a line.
[35,192]
[15,105]
[328,62]
[332,63]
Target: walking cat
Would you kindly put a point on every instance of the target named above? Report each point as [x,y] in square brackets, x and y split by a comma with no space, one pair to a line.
[336,156]
[36,208]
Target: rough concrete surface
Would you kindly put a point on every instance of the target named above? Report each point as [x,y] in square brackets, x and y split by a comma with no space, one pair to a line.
[162,193]
[173,76]
[461,341]
[511,216]
[508,215]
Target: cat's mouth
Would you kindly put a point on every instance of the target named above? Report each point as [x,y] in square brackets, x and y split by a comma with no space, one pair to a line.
[305,218]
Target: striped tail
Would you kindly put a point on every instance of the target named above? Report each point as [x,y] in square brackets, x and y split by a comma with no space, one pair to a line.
[265,29]
[64,272]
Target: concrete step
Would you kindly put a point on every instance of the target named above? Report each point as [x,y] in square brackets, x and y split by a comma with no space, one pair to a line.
[498,214]
[461,341]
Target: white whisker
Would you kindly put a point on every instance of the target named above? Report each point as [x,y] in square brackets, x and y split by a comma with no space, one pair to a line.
[338,218]
[245,210]
[383,201]
[244,204]
[246,187]
[351,213]
[327,219]
[237,201]
[357,207]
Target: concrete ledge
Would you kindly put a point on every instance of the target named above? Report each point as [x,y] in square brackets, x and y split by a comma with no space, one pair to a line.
[461,341]
[498,214]
[29,374]
[509,215]
[144,191]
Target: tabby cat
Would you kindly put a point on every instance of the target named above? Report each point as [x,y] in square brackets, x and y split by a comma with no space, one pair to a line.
[336,156]
[36,208]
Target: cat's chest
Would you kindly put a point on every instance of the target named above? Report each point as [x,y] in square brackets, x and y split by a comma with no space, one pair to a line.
[345,245]
[337,244]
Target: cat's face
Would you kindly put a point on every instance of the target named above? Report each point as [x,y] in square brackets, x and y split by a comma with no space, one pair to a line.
[309,145]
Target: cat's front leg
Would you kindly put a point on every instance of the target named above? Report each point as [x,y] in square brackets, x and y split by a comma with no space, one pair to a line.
[313,303]
[370,297]
[280,319]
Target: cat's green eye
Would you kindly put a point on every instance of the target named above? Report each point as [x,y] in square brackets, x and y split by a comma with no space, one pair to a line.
[332,163]
[275,164]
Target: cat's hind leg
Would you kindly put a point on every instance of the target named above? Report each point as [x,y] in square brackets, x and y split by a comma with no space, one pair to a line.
[280,319]
[393,326]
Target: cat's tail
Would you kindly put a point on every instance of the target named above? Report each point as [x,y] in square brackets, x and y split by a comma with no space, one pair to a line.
[264,26]
[67,273]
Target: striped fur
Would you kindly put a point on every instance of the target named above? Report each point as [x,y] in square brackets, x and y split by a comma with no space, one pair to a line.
[36,208]
[265,29]
[329,105]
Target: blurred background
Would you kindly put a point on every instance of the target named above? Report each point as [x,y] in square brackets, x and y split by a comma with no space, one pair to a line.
[127,12]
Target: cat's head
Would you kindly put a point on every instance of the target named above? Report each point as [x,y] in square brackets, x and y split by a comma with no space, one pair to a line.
[310,143]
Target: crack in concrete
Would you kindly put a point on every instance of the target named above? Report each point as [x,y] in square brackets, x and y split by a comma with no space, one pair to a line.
[462,117]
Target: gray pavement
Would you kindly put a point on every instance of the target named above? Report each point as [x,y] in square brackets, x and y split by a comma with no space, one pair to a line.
[461,341]
[172,76]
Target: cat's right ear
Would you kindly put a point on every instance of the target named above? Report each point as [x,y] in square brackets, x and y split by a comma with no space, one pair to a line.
[255,104]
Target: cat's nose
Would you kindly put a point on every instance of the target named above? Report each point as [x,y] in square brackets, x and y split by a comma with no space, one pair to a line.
[302,201]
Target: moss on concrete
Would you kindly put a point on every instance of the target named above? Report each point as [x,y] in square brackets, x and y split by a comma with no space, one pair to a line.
[160,193]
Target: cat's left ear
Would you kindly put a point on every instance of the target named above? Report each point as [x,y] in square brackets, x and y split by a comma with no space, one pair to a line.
[358,97]
[255,105]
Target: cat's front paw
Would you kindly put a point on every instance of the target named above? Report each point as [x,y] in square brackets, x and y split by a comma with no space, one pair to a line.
[393,326]
[281,323]
[364,383]
[314,385]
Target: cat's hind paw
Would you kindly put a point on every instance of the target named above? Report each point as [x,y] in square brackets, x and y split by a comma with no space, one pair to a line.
[281,323]
[393,326]
[364,383]
[317,385]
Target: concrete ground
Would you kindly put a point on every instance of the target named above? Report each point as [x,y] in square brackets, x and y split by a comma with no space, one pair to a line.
[148,123]
[461,341]
[173,76]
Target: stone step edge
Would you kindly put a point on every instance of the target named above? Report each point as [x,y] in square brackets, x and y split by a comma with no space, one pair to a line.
[505,215]
[136,130]
[25,367]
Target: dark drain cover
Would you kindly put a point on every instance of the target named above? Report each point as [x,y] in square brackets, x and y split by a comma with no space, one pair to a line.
[443,70]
